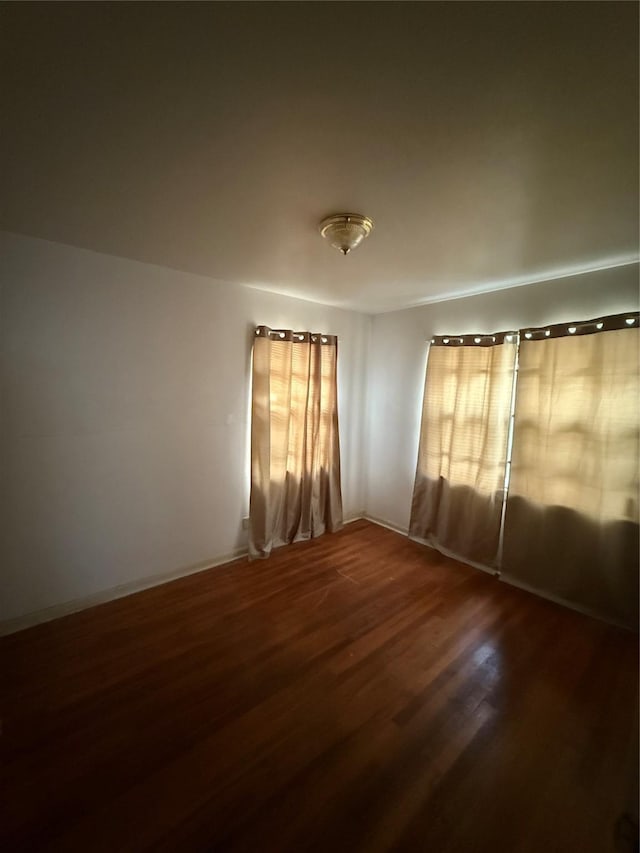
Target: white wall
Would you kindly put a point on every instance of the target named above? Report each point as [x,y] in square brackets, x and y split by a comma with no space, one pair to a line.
[124,402]
[398,356]
[123,420]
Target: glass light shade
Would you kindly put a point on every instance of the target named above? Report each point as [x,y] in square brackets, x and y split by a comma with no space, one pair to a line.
[345,231]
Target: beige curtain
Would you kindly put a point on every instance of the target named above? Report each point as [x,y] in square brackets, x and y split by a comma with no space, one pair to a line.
[571,526]
[295,452]
[459,485]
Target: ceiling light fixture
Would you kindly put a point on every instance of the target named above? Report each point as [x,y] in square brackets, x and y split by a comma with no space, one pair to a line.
[345,231]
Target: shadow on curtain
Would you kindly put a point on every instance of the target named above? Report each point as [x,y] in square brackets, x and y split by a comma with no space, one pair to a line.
[459,485]
[571,525]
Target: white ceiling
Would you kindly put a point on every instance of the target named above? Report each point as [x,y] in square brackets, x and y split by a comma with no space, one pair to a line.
[492,143]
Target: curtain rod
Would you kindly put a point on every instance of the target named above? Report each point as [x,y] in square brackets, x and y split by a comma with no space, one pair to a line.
[612,322]
[295,337]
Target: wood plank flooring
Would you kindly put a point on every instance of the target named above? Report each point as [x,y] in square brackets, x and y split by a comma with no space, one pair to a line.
[354,693]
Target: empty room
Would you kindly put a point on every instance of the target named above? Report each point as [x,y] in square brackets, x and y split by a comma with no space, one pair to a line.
[319,427]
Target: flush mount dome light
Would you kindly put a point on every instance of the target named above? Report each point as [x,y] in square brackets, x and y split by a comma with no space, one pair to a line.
[345,231]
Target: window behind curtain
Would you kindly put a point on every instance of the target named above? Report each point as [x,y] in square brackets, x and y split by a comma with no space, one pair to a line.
[459,486]
[571,526]
[295,452]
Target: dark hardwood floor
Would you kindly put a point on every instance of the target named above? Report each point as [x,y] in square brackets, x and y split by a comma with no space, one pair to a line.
[354,693]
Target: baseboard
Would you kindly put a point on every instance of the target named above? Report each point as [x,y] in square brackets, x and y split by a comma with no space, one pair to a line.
[28,620]
[37,617]
[499,575]
[404,531]
[447,553]
[563,602]
[353,518]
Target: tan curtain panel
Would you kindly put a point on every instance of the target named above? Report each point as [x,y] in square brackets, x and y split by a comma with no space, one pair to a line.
[459,486]
[571,526]
[295,451]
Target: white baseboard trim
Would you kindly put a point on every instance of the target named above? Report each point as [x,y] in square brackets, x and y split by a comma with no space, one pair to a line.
[499,575]
[563,602]
[447,553]
[28,620]
[404,531]
[353,518]
[37,617]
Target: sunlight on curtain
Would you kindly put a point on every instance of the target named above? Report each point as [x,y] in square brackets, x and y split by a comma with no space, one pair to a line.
[571,524]
[295,453]
[459,486]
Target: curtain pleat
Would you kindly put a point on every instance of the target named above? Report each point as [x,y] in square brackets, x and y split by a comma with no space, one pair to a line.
[459,484]
[295,450]
[571,525]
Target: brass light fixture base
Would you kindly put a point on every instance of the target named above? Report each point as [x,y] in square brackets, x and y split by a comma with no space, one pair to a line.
[345,231]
